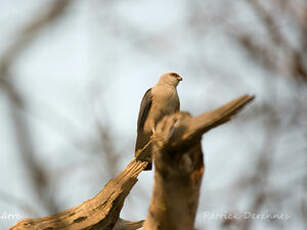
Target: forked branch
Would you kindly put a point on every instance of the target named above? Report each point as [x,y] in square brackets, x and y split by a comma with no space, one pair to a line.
[179,168]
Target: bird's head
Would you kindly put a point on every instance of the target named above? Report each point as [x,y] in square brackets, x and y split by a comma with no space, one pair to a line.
[170,78]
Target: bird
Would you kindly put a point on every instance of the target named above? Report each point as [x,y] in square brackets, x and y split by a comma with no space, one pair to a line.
[159,101]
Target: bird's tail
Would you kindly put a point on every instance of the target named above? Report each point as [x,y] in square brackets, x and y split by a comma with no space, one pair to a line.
[128,225]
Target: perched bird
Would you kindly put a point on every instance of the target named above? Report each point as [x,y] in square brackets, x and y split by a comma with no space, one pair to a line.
[159,101]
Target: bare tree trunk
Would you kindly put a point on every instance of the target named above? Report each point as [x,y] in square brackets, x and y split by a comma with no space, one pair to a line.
[179,166]
[178,174]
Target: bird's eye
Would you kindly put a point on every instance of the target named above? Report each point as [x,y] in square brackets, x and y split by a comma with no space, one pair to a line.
[174,75]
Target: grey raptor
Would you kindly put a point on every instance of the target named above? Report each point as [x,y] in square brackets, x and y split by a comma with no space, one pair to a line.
[159,101]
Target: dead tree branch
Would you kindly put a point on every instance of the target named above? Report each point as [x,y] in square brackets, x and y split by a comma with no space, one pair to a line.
[179,170]
[100,212]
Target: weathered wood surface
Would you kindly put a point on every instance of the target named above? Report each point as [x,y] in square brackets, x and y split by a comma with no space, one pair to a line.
[100,212]
[178,174]
[179,167]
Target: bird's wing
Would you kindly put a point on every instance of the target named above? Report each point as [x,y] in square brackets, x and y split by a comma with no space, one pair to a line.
[144,109]
[143,114]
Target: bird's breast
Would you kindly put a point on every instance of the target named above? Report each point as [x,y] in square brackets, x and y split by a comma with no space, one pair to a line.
[166,98]
[165,102]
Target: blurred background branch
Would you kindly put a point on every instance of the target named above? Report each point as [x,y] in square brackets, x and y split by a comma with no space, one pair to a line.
[36,173]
